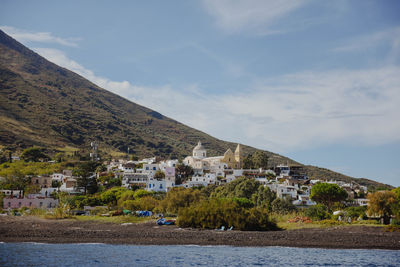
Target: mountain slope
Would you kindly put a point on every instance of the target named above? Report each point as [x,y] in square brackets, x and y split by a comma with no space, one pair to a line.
[46,105]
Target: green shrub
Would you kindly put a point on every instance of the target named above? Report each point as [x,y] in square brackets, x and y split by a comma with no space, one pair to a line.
[141,193]
[178,198]
[99,211]
[396,222]
[317,212]
[244,202]
[214,213]
[356,212]
[282,206]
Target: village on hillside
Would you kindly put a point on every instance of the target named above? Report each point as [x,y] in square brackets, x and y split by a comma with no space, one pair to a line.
[288,182]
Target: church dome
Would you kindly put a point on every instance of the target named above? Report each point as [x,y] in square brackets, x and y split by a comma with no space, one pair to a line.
[199,151]
[199,146]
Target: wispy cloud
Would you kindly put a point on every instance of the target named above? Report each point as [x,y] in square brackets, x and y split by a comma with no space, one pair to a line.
[293,111]
[40,37]
[388,37]
[256,16]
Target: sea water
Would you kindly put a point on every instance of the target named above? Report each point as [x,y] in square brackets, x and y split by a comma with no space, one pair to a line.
[39,254]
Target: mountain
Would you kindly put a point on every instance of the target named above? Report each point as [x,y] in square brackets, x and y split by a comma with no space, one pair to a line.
[47,105]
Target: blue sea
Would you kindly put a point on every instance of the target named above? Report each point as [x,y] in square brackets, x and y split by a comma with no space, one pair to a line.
[39,254]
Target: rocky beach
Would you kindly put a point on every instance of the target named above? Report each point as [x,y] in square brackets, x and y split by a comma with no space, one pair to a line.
[35,229]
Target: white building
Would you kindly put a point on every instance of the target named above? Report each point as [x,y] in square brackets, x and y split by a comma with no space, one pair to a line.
[286,191]
[156,185]
[135,179]
[304,200]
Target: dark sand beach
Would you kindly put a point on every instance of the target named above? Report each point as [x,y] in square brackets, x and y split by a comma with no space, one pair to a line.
[34,229]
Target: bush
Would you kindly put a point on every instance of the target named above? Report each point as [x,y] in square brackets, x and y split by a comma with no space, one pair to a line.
[282,206]
[244,202]
[141,193]
[178,198]
[240,188]
[396,222]
[215,213]
[111,196]
[99,211]
[317,212]
[130,205]
[356,212]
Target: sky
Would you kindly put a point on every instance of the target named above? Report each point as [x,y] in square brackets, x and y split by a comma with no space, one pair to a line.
[317,81]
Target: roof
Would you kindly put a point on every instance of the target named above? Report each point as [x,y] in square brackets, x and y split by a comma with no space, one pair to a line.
[199,146]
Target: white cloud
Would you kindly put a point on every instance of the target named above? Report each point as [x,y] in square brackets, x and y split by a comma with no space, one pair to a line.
[389,37]
[41,37]
[291,112]
[257,16]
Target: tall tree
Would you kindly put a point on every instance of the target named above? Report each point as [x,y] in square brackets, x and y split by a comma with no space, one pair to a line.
[328,194]
[34,154]
[257,160]
[382,203]
[182,172]
[260,160]
[86,176]
[264,197]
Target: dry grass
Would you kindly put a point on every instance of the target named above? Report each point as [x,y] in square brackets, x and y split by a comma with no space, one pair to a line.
[116,219]
[282,221]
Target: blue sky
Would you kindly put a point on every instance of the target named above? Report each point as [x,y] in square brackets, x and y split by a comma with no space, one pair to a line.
[318,81]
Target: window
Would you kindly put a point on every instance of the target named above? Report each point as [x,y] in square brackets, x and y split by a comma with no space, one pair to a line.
[204,154]
[19,204]
[40,204]
[160,186]
[37,181]
[154,168]
[30,204]
[9,204]
[149,185]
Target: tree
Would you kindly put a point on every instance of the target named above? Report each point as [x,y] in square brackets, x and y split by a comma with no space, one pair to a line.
[159,175]
[264,197]
[56,184]
[179,197]
[248,162]
[328,194]
[282,206]
[31,189]
[396,207]
[382,203]
[34,154]
[182,172]
[257,160]
[260,160]
[239,188]
[59,157]
[15,180]
[317,212]
[86,176]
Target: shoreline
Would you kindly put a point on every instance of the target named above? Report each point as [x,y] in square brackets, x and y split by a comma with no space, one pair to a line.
[69,231]
[189,245]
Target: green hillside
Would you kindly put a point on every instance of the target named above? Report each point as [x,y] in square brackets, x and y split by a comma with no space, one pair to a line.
[47,105]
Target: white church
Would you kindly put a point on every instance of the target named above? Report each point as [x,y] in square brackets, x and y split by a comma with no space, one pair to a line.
[199,159]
